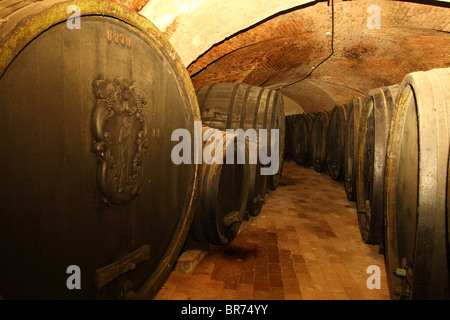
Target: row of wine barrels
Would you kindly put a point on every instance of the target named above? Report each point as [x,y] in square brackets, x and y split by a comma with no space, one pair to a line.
[319,133]
[224,189]
[351,147]
[335,142]
[417,188]
[374,129]
[397,169]
[327,140]
[241,106]
[90,197]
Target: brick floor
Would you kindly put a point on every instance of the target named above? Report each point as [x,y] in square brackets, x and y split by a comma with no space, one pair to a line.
[304,245]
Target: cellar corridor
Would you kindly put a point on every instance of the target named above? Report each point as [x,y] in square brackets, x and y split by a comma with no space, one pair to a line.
[304,245]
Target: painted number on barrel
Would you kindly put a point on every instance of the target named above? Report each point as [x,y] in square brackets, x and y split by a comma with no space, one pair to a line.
[118,38]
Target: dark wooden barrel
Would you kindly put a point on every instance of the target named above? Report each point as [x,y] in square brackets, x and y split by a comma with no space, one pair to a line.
[301,139]
[294,142]
[289,122]
[224,192]
[416,181]
[86,120]
[277,122]
[351,147]
[373,132]
[335,142]
[242,106]
[306,123]
[319,141]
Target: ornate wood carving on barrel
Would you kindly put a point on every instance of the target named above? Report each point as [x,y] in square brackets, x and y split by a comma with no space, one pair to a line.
[351,147]
[242,106]
[335,142]
[87,176]
[120,134]
[319,141]
[373,133]
[416,181]
[224,191]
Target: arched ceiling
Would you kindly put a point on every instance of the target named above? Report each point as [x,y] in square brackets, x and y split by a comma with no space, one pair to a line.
[320,53]
[194,26]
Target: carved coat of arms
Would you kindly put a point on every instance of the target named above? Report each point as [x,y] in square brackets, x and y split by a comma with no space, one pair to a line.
[120,135]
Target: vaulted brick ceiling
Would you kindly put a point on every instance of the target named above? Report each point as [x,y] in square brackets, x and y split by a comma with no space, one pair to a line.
[320,54]
[286,48]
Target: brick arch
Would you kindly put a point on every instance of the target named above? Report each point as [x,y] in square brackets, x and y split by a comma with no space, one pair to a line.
[274,43]
[194,26]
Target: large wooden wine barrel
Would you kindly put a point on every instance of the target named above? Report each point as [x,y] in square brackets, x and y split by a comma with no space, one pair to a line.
[416,182]
[301,139]
[319,141]
[224,191]
[351,147]
[242,106]
[373,133]
[87,176]
[335,142]
[288,128]
[295,135]
[294,143]
[306,124]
